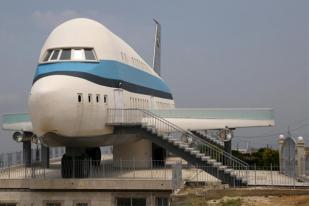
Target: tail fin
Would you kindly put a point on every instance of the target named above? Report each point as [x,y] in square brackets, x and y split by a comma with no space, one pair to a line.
[157,49]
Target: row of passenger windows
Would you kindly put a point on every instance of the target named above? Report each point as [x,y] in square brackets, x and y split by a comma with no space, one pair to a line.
[135,61]
[92,98]
[70,54]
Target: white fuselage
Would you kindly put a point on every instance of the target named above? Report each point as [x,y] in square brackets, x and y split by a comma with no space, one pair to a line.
[70,98]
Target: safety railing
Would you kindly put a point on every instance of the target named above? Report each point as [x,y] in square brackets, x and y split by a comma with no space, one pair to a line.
[165,128]
[148,170]
[11,159]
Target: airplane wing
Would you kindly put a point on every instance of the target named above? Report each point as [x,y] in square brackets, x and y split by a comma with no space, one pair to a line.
[202,119]
[17,122]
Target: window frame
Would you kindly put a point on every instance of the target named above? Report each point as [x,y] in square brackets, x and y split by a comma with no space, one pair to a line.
[82,50]
[105,98]
[46,202]
[93,52]
[88,202]
[63,60]
[97,98]
[46,55]
[79,96]
[159,201]
[58,56]
[96,60]
[130,198]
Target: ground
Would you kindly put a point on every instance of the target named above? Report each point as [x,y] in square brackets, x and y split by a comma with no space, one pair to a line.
[293,200]
[241,197]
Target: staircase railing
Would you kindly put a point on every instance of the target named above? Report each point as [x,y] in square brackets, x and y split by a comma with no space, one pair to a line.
[162,127]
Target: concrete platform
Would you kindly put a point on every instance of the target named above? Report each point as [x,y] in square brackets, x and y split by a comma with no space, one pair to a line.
[85,184]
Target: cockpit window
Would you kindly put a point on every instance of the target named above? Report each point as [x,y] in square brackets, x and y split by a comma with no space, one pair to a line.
[78,54]
[47,55]
[70,54]
[55,55]
[89,54]
[65,54]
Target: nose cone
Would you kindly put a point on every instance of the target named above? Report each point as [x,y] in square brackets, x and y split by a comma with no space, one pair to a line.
[48,106]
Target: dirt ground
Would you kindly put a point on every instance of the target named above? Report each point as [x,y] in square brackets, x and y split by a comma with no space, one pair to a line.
[242,197]
[298,200]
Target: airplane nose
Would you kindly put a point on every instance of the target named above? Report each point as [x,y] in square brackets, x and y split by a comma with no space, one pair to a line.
[48,106]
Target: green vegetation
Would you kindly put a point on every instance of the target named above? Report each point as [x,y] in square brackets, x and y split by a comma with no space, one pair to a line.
[231,202]
[264,157]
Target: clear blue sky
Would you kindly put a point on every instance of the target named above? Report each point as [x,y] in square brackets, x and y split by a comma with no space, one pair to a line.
[239,53]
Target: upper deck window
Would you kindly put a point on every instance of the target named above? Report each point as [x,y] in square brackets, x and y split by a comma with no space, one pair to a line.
[70,54]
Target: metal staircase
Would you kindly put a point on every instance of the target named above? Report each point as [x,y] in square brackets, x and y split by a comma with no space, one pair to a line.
[208,138]
[192,148]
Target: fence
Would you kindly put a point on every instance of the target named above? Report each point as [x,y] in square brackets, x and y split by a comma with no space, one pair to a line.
[16,158]
[157,170]
[307,166]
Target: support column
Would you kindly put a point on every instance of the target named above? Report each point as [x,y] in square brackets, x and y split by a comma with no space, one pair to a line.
[228,135]
[45,156]
[228,141]
[27,153]
[137,153]
[280,144]
[228,146]
[300,157]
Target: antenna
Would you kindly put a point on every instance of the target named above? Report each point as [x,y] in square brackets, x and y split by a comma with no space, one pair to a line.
[157,49]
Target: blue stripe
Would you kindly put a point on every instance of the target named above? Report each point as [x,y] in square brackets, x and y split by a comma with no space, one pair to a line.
[107,69]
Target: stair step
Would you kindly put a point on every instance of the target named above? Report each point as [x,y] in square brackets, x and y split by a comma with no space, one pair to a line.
[171,141]
[222,167]
[217,164]
[199,155]
[211,161]
[177,143]
[188,149]
[228,170]
[183,145]
[166,137]
[194,152]
[205,158]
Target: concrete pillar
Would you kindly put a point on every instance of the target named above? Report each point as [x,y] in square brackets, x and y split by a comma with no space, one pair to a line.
[228,146]
[228,141]
[27,153]
[280,144]
[300,157]
[138,153]
[45,156]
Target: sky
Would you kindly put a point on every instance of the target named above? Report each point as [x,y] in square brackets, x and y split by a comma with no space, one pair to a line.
[215,53]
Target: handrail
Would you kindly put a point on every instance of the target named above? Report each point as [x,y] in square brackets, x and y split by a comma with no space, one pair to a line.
[195,136]
[161,123]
